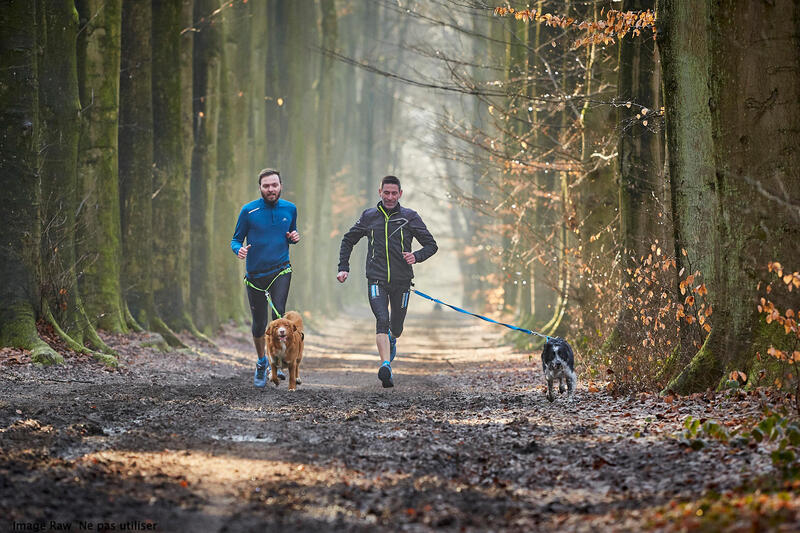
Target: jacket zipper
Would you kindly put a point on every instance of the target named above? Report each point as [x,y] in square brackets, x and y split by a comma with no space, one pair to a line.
[386,240]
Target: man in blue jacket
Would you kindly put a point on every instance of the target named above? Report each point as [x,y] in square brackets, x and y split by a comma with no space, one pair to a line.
[391,229]
[269,224]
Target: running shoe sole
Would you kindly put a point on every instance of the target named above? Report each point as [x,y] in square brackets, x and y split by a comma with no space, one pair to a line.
[385,375]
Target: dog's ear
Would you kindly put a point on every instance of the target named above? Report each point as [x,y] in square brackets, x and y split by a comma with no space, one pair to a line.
[294,327]
[269,330]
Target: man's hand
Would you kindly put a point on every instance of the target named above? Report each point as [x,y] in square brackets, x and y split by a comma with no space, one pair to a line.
[410,258]
[342,276]
[293,236]
[243,251]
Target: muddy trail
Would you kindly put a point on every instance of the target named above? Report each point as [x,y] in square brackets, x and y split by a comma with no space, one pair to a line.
[465,441]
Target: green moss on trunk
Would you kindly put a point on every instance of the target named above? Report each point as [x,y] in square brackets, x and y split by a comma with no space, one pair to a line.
[18,329]
[60,128]
[683,45]
[20,182]
[751,140]
[171,339]
[105,358]
[98,243]
[703,372]
[136,160]
[170,201]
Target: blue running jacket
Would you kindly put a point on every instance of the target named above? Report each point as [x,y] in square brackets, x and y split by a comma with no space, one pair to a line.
[265,225]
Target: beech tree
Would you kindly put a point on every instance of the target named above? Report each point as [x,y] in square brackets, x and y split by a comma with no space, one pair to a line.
[19,163]
[98,232]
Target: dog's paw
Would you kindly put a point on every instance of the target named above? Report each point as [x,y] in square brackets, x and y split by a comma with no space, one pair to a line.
[292,389]
[276,381]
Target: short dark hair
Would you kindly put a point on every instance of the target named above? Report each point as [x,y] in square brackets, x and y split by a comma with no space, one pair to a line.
[269,172]
[392,180]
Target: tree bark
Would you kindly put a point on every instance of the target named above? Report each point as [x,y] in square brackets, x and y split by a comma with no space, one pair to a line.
[170,191]
[59,108]
[136,160]
[643,188]
[99,231]
[300,179]
[19,162]
[232,165]
[324,253]
[749,113]
[207,72]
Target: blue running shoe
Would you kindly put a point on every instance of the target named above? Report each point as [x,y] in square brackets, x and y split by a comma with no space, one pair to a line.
[392,346]
[385,375]
[281,375]
[262,369]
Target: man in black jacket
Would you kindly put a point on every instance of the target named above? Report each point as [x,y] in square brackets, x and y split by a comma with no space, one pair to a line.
[390,229]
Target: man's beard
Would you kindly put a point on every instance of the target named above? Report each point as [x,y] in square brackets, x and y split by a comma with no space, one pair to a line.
[264,196]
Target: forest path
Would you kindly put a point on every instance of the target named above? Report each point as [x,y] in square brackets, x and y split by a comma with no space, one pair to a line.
[465,441]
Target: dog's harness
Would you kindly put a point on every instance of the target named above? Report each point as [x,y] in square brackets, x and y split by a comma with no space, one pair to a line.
[247,282]
[487,319]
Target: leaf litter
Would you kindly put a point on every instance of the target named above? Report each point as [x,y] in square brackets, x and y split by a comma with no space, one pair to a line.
[466,441]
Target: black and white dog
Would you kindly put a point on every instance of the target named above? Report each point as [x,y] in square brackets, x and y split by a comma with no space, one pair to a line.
[558,362]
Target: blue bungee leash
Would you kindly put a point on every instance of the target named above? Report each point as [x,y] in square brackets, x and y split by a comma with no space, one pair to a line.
[487,319]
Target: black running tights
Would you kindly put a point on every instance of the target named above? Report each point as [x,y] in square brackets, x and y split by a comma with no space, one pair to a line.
[259,306]
[381,297]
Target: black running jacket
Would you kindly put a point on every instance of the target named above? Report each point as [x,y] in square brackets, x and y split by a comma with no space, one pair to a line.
[389,234]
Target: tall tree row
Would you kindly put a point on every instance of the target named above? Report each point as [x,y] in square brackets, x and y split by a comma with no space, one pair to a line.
[656,179]
[704,226]
[132,134]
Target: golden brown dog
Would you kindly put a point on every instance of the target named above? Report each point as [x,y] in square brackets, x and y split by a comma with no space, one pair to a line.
[285,346]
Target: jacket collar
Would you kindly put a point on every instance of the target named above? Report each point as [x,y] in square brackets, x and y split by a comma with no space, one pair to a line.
[396,208]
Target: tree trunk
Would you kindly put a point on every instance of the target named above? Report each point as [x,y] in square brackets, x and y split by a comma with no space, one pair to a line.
[563,227]
[516,63]
[324,253]
[366,108]
[98,237]
[230,175]
[300,180]
[59,107]
[684,45]
[643,194]
[136,160]
[170,191]
[257,144]
[207,67]
[19,178]
[749,140]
